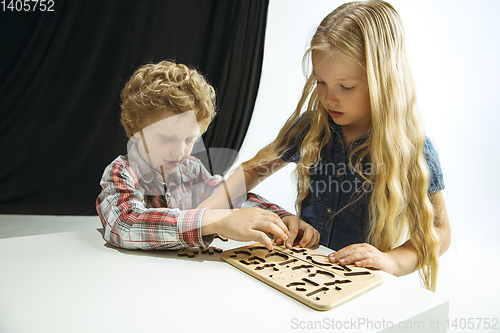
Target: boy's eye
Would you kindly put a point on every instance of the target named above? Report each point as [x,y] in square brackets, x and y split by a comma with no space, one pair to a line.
[166,138]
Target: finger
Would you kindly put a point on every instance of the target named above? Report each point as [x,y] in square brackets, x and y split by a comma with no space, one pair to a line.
[279,222]
[279,234]
[336,255]
[309,235]
[340,254]
[293,228]
[345,252]
[274,218]
[259,236]
[368,263]
[356,256]
[270,227]
[314,240]
[306,237]
[351,259]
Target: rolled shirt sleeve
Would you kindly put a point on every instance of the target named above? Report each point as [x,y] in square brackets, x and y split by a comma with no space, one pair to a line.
[254,200]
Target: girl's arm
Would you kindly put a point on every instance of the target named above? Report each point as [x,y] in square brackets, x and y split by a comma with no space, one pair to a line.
[401,260]
[244,179]
[239,183]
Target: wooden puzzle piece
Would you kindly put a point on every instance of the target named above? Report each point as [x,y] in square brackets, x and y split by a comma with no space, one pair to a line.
[222,238]
[188,252]
[191,252]
[211,250]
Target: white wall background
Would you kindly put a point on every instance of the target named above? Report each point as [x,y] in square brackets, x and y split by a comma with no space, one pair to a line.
[454,50]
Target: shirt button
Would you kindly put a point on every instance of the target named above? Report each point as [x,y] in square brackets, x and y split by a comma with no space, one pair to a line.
[337,175]
[328,211]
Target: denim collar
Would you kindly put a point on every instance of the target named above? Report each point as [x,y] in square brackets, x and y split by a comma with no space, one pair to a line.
[334,127]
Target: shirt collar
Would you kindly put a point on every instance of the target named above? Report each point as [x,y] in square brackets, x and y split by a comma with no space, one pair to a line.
[182,174]
[141,168]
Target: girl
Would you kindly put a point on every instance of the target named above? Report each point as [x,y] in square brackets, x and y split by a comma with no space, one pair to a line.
[369,180]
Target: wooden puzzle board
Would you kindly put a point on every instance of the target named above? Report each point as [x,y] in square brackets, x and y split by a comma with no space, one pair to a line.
[303,274]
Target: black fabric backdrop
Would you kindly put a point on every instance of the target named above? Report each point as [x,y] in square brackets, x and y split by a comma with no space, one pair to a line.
[61,73]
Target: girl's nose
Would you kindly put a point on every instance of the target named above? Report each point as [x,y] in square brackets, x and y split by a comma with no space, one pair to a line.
[331,97]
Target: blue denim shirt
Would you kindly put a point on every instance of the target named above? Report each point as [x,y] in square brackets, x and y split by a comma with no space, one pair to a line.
[335,205]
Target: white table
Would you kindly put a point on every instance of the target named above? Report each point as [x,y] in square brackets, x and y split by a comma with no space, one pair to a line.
[75,282]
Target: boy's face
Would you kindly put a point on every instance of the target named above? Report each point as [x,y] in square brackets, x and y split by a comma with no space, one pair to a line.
[166,143]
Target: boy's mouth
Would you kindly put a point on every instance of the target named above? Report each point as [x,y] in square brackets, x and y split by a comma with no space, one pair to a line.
[172,163]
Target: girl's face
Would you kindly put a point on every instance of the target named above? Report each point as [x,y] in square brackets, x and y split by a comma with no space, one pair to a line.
[343,91]
[166,143]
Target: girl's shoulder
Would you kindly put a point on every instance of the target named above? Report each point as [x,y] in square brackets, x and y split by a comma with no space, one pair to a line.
[436,176]
[430,152]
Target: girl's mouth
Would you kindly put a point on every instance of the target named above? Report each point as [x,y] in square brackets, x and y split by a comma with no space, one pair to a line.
[335,114]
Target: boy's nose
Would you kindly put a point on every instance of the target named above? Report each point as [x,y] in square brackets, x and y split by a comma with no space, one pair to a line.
[178,150]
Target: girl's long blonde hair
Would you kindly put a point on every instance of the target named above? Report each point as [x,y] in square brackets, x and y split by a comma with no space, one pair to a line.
[372,34]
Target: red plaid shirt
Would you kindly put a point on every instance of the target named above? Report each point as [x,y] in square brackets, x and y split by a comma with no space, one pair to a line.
[139,211]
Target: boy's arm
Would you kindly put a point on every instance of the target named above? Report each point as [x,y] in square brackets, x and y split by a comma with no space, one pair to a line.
[129,224]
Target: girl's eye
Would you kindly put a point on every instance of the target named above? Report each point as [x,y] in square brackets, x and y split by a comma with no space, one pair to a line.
[346,88]
[319,82]
[169,139]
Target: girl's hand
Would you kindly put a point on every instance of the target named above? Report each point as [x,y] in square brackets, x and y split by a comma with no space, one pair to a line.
[365,255]
[251,224]
[300,231]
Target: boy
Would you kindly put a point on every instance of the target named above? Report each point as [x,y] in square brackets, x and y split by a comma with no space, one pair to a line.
[150,196]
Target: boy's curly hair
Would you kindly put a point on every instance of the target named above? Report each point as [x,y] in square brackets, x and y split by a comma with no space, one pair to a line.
[165,86]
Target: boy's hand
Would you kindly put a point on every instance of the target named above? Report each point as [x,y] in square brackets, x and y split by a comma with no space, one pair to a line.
[300,231]
[252,224]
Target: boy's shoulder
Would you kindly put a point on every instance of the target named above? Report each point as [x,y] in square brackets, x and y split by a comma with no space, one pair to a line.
[119,165]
